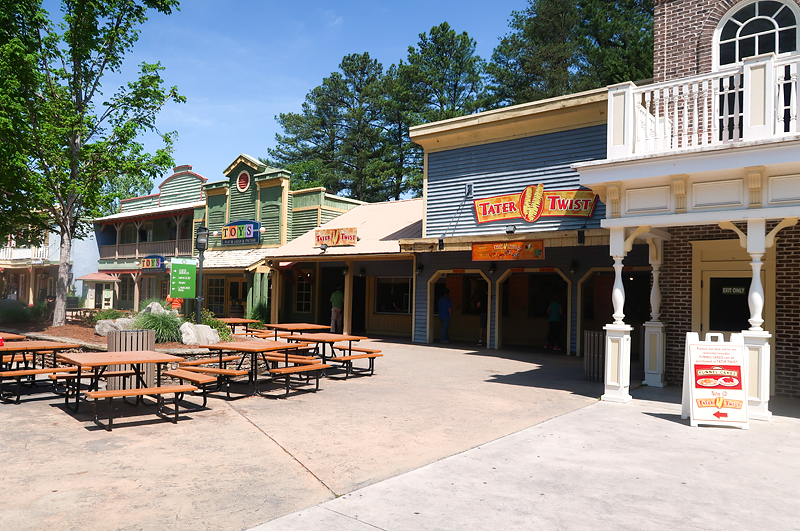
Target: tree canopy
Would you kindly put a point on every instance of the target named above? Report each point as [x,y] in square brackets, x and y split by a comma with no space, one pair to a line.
[70,151]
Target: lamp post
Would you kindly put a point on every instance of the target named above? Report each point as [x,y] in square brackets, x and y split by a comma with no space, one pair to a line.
[201,244]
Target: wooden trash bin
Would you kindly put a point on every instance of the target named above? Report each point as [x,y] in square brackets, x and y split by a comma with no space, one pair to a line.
[131,341]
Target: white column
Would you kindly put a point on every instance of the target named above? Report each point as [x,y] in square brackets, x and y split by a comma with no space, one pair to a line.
[618,335]
[756,339]
[654,340]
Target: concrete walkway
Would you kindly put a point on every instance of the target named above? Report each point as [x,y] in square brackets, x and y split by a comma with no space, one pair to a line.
[604,466]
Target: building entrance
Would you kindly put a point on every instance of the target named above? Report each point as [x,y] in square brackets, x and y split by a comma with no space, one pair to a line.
[724,303]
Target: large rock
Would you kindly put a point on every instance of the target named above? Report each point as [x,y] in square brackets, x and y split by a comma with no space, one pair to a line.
[104,326]
[124,323]
[192,334]
[154,308]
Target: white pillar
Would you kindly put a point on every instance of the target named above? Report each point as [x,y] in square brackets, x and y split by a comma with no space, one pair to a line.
[756,339]
[654,339]
[618,335]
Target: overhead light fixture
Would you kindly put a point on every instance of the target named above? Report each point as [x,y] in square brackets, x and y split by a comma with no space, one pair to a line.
[573,267]
[441,243]
[492,268]
[345,270]
[323,247]
[420,267]
[511,229]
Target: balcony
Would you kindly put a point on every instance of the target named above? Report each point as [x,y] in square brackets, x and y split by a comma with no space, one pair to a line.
[25,253]
[142,249]
[754,102]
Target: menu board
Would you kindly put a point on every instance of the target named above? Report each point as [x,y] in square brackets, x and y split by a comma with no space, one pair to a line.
[716,374]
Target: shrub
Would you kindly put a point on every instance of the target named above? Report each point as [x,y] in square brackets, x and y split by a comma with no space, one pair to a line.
[166,325]
[14,312]
[207,318]
[259,311]
[108,313]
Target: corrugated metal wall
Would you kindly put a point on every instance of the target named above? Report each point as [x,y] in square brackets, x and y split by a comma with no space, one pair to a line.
[271,214]
[507,168]
[180,189]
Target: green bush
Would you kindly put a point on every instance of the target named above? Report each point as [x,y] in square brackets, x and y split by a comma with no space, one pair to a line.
[108,313]
[16,312]
[166,325]
[207,318]
[261,312]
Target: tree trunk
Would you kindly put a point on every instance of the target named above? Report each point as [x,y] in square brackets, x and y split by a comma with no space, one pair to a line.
[60,312]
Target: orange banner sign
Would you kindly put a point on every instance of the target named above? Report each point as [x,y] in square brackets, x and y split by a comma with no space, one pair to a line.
[535,202]
[335,237]
[532,250]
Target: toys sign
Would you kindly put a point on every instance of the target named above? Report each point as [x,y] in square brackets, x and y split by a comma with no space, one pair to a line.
[241,232]
[535,202]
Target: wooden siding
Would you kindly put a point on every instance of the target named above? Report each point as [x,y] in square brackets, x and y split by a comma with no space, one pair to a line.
[507,168]
[303,222]
[328,215]
[338,202]
[216,212]
[139,203]
[181,189]
[302,200]
[271,214]
[243,204]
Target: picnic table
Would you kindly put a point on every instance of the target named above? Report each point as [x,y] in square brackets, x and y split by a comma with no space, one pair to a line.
[294,327]
[233,322]
[253,349]
[12,337]
[13,351]
[326,338]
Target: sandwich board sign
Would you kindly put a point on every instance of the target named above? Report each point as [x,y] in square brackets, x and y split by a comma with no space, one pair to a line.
[714,381]
[183,278]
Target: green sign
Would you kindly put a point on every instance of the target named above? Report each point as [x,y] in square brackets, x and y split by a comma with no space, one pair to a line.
[183,278]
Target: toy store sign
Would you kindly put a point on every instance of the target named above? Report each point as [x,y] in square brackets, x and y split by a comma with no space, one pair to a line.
[153,264]
[535,202]
[241,232]
[334,237]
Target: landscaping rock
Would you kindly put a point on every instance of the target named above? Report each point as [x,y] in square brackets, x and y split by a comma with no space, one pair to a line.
[154,308]
[104,326]
[124,323]
[192,334]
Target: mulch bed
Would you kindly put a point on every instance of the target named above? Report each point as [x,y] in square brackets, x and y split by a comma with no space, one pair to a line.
[80,331]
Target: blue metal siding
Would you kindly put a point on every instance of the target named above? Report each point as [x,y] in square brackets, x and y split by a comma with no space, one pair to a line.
[507,168]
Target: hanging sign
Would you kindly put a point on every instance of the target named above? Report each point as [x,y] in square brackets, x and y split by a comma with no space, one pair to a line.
[535,202]
[153,264]
[715,375]
[241,232]
[183,278]
[531,250]
[335,237]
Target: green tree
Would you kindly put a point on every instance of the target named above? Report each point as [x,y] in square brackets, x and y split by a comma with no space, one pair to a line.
[558,47]
[445,73]
[72,149]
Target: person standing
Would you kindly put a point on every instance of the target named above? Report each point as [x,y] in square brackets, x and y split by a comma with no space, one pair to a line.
[337,307]
[482,302]
[445,313]
[554,314]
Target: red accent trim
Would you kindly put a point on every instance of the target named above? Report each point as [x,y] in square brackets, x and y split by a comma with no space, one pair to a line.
[138,197]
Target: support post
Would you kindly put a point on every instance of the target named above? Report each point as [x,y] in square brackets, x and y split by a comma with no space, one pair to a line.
[618,335]
[654,340]
[756,339]
[348,299]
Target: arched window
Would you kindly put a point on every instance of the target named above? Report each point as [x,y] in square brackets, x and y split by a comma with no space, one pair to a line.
[756,28]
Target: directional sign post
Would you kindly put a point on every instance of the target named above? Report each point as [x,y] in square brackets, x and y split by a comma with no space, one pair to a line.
[183,278]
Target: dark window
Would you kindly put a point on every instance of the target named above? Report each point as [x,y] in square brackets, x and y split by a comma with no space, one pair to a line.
[393,295]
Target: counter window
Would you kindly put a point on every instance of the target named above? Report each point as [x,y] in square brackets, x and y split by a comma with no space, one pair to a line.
[393,295]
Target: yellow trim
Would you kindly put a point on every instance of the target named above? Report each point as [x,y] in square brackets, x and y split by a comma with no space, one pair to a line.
[269,183]
[215,191]
[284,211]
[424,194]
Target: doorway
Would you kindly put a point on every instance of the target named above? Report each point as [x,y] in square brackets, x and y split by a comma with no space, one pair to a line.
[724,303]
[359,310]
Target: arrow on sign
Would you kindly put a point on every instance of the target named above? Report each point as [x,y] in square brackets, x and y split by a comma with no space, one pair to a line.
[720,415]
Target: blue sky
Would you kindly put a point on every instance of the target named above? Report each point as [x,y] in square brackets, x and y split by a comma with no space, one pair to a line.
[241,63]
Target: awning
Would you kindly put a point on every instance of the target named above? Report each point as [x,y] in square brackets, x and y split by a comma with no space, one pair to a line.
[98,277]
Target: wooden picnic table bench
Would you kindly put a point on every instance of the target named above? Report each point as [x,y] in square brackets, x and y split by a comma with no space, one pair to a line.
[285,373]
[207,361]
[223,376]
[201,380]
[18,374]
[347,361]
[159,392]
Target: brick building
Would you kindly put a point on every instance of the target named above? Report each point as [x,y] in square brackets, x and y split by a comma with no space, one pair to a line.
[704,167]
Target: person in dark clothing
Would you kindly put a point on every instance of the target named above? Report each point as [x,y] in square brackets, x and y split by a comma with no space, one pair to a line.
[445,313]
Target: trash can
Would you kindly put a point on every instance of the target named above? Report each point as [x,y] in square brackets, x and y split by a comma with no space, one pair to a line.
[131,341]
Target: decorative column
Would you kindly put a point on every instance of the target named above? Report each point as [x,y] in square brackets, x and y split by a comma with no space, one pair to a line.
[756,339]
[618,334]
[654,329]
[137,277]
[348,298]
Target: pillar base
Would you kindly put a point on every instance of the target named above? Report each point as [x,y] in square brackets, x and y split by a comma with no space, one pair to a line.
[654,340]
[758,373]
[618,363]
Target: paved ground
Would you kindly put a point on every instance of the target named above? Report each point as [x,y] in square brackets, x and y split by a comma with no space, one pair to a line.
[605,466]
[248,461]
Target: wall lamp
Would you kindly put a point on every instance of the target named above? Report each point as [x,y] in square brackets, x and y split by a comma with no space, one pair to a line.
[323,247]
[441,243]
[492,268]
[573,267]
[345,270]
[420,267]
[362,272]
[511,229]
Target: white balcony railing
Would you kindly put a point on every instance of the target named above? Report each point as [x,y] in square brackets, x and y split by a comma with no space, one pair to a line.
[753,102]
[163,248]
